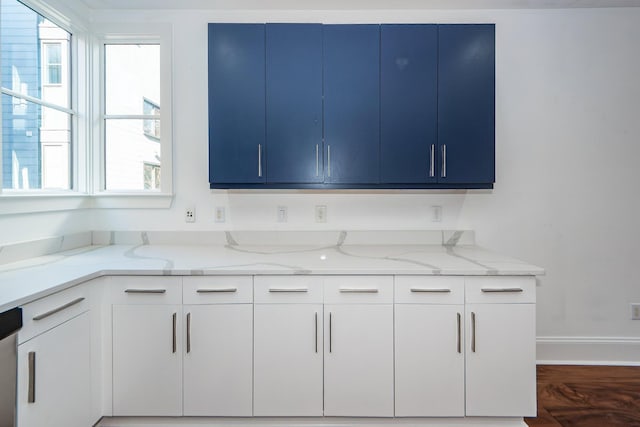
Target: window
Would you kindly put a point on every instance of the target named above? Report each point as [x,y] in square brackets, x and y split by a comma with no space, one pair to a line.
[132,117]
[52,63]
[36,118]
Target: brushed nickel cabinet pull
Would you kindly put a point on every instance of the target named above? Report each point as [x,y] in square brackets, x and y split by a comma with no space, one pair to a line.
[31,397]
[316,332]
[473,332]
[444,161]
[459,333]
[188,332]
[260,160]
[330,333]
[317,160]
[284,290]
[329,161]
[431,290]
[217,290]
[175,338]
[432,161]
[359,290]
[58,309]
[145,291]
[500,290]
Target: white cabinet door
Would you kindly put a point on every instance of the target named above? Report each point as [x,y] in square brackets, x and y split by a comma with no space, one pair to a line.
[147,360]
[61,369]
[500,360]
[218,360]
[358,374]
[429,360]
[287,360]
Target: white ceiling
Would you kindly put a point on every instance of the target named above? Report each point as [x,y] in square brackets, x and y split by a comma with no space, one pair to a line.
[356,4]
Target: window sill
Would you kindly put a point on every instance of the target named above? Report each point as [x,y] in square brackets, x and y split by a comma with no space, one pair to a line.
[21,203]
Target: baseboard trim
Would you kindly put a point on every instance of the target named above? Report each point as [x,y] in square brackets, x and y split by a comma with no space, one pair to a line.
[309,422]
[614,351]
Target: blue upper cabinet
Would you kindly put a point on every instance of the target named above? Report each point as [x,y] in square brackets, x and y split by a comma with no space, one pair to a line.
[352,103]
[236,103]
[408,103]
[466,104]
[294,103]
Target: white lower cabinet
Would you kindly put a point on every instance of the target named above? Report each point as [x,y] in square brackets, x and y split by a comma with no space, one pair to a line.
[501,352]
[429,360]
[54,376]
[217,360]
[147,360]
[288,357]
[429,346]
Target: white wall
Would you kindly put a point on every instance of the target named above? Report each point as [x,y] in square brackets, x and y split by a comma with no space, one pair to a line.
[567,150]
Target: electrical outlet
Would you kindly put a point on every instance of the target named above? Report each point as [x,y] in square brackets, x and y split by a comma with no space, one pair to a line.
[321,213]
[436,213]
[220,214]
[282,214]
[635,311]
[190,215]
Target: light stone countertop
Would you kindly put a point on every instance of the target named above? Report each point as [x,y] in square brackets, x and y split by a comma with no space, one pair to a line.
[250,253]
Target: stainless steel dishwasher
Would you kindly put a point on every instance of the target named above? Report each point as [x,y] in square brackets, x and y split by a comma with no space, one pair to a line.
[10,322]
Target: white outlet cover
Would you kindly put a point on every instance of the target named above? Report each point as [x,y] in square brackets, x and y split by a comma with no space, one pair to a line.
[190,215]
[282,214]
[220,214]
[321,213]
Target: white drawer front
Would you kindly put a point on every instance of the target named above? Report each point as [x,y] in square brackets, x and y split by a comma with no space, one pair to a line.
[217,290]
[358,290]
[429,290]
[287,289]
[500,290]
[44,314]
[145,290]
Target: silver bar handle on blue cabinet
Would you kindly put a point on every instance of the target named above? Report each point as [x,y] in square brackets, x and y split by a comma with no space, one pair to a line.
[432,172]
[329,160]
[317,160]
[444,161]
[260,160]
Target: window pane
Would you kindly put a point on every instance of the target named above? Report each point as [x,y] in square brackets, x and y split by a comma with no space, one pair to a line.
[36,141]
[132,158]
[36,146]
[132,74]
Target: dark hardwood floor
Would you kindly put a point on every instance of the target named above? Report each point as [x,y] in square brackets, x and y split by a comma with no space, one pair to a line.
[587,396]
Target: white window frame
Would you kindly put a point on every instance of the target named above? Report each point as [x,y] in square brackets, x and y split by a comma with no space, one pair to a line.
[47,200]
[109,34]
[47,64]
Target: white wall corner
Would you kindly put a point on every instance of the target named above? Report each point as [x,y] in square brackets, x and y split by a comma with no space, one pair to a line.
[588,351]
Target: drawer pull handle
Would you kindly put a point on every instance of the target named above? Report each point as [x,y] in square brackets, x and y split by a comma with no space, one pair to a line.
[283,290]
[330,333]
[358,291]
[213,291]
[441,291]
[59,309]
[175,332]
[145,291]
[31,398]
[501,290]
[432,161]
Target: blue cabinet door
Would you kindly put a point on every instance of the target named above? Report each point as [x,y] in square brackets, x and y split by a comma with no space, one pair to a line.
[408,103]
[294,103]
[466,103]
[352,103]
[236,103]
